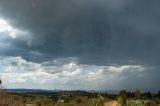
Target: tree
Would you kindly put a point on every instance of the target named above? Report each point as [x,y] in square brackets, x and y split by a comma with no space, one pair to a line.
[159,94]
[138,94]
[122,98]
[147,95]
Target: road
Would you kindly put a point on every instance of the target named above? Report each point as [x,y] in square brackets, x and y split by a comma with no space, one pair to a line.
[111,103]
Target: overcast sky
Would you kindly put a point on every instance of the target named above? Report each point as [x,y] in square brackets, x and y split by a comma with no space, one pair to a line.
[80,44]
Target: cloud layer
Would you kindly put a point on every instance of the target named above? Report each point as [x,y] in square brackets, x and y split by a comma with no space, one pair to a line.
[65,73]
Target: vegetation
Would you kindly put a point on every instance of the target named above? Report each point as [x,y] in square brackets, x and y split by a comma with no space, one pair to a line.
[99,101]
[7,100]
[78,98]
[122,97]
[138,99]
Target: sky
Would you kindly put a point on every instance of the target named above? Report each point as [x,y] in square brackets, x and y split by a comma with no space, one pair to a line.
[80,44]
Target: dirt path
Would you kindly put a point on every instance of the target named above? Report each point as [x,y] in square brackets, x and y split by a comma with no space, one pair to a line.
[111,103]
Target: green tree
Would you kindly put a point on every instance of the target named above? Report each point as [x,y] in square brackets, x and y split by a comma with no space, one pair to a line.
[122,98]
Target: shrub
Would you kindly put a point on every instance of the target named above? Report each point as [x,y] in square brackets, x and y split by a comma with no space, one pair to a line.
[79,101]
[99,101]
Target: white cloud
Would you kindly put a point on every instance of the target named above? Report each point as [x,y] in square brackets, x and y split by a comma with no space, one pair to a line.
[6,28]
[62,73]
[8,31]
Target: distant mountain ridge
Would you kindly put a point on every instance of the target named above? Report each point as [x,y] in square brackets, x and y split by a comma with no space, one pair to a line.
[29,90]
[21,90]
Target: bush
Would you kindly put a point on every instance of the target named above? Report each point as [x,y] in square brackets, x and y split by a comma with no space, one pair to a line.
[99,101]
[38,103]
[130,102]
[79,101]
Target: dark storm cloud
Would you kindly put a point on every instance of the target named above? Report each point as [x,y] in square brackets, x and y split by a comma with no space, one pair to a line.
[99,32]
[93,29]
